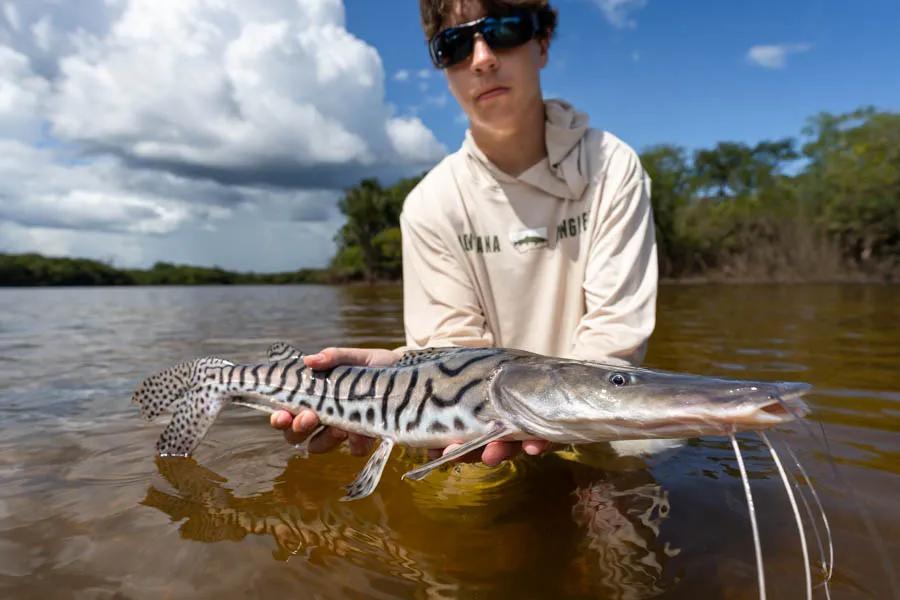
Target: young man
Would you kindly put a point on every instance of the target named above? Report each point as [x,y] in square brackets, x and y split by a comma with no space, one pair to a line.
[537,234]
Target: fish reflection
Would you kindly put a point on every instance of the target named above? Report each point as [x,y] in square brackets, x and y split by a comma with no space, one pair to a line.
[621,529]
[619,509]
[299,524]
[540,526]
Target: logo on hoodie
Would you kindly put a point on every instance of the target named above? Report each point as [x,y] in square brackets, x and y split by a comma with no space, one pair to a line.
[529,239]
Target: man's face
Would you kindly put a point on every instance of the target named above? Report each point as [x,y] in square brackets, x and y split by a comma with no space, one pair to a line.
[495,88]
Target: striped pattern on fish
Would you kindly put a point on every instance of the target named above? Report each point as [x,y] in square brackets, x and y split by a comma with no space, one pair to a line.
[434,397]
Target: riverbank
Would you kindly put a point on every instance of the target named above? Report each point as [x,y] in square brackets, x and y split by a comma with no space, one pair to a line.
[35,270]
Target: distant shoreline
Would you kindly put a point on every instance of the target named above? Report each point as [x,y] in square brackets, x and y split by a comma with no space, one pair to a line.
[35,270]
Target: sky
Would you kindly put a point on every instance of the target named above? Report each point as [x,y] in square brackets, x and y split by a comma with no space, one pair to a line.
[222,132]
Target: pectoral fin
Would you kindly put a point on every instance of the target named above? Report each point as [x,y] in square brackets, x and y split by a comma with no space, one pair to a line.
[368,478]
[498,430]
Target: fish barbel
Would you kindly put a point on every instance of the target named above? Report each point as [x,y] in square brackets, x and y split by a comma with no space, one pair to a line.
[437,396]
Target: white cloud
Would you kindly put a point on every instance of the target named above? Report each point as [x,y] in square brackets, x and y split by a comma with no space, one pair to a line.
[162,129]
[22,94]
[424,73]
[401,75]
[12,15]
[618,12]
[409,138]
[44,33]
[774,56]
[439,100]
[224,84]
[86,196]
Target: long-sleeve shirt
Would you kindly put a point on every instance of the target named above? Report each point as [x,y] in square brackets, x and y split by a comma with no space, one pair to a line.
[559,260]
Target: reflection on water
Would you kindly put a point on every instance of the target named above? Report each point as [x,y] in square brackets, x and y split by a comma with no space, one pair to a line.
[86,511]
[613,532]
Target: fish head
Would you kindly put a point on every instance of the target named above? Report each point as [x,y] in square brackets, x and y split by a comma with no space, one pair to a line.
[577,401]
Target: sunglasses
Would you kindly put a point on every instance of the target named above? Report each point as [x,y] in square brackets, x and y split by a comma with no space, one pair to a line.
[455,44]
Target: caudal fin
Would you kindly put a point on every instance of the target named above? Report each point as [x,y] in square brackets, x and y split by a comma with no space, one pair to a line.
[184,388]
[194,415]
[156,393]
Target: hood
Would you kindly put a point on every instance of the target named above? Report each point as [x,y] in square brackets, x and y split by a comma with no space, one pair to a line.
[564,171]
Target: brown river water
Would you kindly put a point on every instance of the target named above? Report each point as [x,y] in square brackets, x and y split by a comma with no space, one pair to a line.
[86,511]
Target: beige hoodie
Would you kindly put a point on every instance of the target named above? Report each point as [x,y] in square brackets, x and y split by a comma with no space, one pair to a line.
[560,260]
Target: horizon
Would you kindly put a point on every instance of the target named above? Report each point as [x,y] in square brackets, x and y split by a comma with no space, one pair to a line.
[223,134]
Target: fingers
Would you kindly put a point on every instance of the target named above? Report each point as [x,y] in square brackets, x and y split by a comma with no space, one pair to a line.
[360,445]
[281,419]
[535,447]
[468,457]
[332,357]
[496,452]
[327,441]
[363,357]
[295,428]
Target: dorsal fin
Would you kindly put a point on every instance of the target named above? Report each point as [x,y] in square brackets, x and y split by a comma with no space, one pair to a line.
[414,357]
[282,351]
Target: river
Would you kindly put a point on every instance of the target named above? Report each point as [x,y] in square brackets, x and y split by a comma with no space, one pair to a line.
[86,511]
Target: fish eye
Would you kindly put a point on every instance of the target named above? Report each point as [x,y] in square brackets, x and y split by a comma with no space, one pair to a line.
[618,379]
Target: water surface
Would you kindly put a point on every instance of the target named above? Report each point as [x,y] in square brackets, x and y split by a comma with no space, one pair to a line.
[87,511]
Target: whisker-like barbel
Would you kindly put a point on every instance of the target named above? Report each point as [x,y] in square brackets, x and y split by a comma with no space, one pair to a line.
[434,397]
[827,565]
[757,545]
[793,501]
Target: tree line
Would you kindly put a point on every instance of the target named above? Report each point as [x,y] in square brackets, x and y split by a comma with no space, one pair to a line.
[34,269]
[826,208]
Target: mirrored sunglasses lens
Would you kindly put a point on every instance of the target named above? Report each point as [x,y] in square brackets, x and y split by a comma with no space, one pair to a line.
[507,32]
[452,46]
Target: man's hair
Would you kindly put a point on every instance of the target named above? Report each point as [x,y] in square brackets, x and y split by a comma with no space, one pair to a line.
[434,13]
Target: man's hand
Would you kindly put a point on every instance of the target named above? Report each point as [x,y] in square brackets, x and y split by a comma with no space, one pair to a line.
[297,428]
[495,453]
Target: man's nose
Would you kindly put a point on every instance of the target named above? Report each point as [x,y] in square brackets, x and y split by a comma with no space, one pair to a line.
[483,58]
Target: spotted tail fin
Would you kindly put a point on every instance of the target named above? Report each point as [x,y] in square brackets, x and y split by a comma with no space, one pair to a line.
[196,405]
[156,393]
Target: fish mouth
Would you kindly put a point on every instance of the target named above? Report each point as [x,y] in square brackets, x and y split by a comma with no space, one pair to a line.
[778,403]
[738,409]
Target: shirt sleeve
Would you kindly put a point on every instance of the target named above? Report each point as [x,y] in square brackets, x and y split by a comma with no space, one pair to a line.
[621,276]
[440,305]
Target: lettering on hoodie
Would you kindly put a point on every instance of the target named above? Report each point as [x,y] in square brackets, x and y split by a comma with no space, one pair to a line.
[571,227]
[480,244]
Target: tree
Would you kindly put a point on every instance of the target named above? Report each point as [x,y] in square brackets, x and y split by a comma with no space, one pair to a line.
[854,180]
[369,241]
[670,174]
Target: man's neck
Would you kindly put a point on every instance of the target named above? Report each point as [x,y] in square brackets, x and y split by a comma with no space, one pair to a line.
[515,150]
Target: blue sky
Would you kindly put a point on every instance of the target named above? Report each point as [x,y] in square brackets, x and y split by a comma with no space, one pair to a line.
[678,72]
[223,132]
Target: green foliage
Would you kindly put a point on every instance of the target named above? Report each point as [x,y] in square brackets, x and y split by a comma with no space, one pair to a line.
[369,242]
[34,269]
[854,179]
[733,211]
[733,168]
[668,168]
